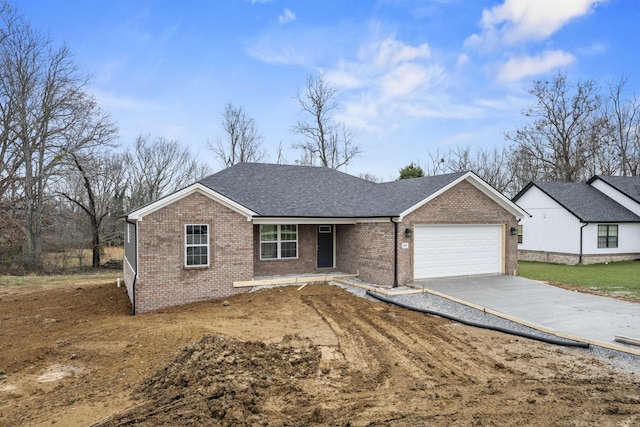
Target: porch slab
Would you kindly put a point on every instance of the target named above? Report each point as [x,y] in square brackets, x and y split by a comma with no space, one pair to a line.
[292,279]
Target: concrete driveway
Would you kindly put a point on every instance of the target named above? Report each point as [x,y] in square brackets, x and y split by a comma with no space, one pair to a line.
[574,315]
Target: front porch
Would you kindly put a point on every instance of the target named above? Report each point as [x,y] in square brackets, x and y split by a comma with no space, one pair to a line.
[336,276]
[293,279]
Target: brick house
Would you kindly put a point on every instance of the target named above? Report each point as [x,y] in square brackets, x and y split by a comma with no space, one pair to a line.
[254,220]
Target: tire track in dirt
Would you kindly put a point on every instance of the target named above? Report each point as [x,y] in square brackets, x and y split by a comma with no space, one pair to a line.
[393,366]
[419,348]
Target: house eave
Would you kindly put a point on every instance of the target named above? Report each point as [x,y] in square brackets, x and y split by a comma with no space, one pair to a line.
[481,185]
[139,214]
[317,220]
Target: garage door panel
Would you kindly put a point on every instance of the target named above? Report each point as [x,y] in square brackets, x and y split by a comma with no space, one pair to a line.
[441,251]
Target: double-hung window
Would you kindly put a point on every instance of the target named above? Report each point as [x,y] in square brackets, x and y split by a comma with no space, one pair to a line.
[278,241]
[196,245]
[520,233]
[608,236]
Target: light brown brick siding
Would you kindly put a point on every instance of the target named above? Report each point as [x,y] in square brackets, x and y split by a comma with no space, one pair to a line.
[367,248]
[461,204]
[163,279]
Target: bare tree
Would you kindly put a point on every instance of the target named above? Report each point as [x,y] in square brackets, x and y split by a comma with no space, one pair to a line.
[436,163]
[490,164]
[92,183]
[280,159]
[623,131]
[43,100]
[156,167]
[324,139]
[566,132]
[242,141]
[368,176]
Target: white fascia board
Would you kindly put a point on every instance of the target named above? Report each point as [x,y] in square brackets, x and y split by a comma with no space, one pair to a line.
[139,214]
[302,220]
[307,220]
[474,180]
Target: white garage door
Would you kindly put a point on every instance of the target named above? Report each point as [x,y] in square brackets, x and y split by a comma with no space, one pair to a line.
[457,250]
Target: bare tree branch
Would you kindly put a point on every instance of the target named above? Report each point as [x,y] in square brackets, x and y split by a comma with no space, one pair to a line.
[157,167]
[324,139]
[242,141]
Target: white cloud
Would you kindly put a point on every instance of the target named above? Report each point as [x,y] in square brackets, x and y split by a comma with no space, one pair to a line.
[343,79]
[462,59]
[517,21]
[525,66]
[594,49]
[406,79]
[386,78]
[393,52]
[287,16]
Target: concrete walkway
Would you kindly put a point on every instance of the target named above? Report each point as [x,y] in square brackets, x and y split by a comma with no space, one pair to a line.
[583,317]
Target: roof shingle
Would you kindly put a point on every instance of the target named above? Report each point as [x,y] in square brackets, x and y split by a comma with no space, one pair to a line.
[586,202]
[305,191]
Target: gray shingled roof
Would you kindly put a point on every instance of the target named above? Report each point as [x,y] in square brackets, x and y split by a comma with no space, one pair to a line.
[306,191]
[586,202]
[628,185]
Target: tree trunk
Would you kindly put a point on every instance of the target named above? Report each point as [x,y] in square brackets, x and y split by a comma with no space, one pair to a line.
[95,245]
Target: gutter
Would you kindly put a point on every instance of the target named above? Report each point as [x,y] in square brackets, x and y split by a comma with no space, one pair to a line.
[395,252]
[135,275]
[581,227]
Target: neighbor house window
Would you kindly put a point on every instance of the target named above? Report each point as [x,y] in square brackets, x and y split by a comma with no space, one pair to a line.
[520,234]
[278,241]
[196,245]
[607,236]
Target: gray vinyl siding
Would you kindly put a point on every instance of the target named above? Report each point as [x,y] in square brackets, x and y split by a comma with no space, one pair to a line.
[130,245]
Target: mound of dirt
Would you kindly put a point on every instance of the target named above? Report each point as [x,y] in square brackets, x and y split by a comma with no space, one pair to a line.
[228,381]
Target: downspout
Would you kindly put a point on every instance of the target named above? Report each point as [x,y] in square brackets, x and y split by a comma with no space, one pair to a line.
[580,257]
[135,275]
[395,252]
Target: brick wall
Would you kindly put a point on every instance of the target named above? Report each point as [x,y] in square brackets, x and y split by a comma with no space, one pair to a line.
[461,204]
[367,248]
[163,279]
[305,263]
[572,259]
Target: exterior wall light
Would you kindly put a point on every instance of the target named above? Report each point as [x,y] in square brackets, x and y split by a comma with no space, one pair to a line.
[407,233]
[514,231]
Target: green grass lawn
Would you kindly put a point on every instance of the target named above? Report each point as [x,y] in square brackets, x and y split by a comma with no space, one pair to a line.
[41,281]
[614,277]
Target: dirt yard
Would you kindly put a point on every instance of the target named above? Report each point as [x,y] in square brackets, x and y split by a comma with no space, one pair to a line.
[73,356]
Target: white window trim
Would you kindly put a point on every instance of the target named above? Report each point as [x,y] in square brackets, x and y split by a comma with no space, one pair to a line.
[607,236]
[279,242]
[197,245]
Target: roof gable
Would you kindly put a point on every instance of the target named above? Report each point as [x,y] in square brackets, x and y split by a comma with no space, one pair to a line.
[583,201]
[450,180]
[140,213]
[627,185]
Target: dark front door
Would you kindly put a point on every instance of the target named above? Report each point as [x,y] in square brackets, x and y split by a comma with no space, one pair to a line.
[325,246]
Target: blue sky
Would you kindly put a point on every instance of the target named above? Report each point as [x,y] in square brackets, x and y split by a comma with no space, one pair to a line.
[412,77]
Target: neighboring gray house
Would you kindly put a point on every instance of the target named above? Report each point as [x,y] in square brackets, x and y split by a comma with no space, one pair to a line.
[572,223]
[255,220]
